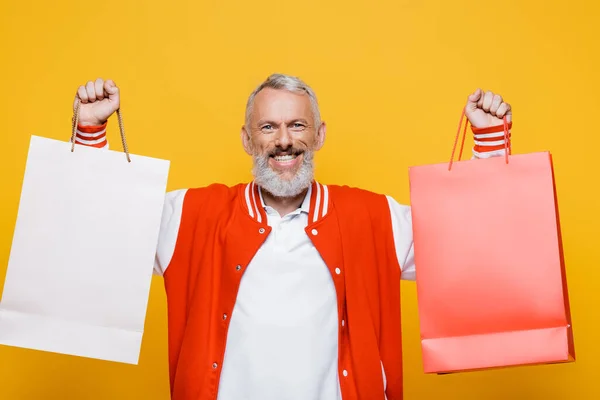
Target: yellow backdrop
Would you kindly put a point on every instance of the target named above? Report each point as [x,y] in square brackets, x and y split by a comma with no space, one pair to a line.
[391,76]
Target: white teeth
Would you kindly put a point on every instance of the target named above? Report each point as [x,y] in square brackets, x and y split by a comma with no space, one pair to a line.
[284,158]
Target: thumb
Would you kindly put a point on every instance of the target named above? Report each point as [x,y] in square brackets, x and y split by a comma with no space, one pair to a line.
[111,89]
[473,99]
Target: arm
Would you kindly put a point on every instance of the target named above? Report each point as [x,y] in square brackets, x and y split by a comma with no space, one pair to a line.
[99,100]
[169,229]
[485,112]
[403,238]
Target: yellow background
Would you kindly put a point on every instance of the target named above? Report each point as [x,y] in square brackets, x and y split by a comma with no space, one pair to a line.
[391,77]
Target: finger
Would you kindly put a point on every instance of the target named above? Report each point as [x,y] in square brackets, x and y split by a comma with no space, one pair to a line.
[496,101]
[487,101]
[111,88]
[474,97]
[480,101]
[99,87]
[91,91]
[472,100]
[508,114]
[82,94]
[502,109]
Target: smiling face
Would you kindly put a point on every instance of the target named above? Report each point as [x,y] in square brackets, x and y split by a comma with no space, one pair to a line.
[281,136]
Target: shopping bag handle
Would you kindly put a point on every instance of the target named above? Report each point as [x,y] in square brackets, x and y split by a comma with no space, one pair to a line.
[462,144]
[76,122]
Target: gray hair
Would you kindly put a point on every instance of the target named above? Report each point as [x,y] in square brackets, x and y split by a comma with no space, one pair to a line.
[291,84]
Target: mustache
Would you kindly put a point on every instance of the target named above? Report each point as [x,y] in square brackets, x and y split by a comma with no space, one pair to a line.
[277,151]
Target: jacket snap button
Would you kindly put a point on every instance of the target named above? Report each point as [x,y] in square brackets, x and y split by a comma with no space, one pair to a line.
[237,268]
[215,365]
[261,230]
[224,317]
[314,232]
[345,372]
[338,271]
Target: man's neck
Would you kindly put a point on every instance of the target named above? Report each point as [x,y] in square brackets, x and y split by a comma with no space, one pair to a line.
[284,205]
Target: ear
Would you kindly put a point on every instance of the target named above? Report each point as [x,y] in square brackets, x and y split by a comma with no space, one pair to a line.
[246,141]
[321,133]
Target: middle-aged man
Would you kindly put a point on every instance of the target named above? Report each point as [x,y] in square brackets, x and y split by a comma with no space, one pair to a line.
[284,288]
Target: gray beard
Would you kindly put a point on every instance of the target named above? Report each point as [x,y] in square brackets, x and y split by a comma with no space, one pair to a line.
[270,180]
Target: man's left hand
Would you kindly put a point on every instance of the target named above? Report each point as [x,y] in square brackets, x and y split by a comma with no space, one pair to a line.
[487,109]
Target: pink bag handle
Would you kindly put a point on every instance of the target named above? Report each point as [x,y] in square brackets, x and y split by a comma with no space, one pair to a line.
[462,144]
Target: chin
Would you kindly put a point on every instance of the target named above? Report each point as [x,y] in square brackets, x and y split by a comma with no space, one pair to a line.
[286,176]
[283,183]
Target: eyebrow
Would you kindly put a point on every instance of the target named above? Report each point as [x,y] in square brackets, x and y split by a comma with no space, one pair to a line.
[305,122]
[265,122]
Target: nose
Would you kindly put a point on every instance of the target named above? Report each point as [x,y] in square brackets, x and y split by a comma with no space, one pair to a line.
[284,139]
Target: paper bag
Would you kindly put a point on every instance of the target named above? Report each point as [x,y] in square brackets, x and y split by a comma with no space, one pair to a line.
[490,277]
[83,251]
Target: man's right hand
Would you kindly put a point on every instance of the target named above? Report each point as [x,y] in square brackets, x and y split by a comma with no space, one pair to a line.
[99,100]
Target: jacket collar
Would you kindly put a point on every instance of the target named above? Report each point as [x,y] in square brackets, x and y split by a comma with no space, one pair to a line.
[304,207]
[316,203]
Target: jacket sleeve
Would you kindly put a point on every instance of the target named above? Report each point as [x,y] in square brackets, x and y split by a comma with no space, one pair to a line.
[489,142]
[95,136]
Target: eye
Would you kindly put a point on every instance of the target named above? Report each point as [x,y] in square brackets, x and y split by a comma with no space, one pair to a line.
[298,125]
[266,128]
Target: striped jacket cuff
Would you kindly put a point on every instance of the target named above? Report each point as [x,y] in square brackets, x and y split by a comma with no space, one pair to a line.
[93,136]
[490,142]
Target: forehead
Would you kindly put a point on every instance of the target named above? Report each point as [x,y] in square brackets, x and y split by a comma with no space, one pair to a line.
[281,105]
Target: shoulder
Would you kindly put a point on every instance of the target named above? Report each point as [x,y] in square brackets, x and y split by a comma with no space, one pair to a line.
[356,201]
[215,190]
[350,193]
[216,195]
[353,198]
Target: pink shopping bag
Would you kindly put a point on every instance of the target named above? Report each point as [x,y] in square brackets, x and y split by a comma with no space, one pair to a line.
[491,281]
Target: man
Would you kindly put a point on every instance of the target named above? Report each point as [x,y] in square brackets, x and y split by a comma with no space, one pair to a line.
[284,288]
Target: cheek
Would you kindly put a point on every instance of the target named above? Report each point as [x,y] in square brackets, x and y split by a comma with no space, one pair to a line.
[258,145]
[305,142]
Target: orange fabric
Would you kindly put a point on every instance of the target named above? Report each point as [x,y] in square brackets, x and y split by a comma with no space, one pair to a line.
[491,129]
[483,149]
[217,235]
[491,139]
[97,145]
[92,128]
[89,138]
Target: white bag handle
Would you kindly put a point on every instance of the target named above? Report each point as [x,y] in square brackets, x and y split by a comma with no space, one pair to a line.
[76,122]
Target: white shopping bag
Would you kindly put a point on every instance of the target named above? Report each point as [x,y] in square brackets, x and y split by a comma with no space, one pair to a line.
[83,251]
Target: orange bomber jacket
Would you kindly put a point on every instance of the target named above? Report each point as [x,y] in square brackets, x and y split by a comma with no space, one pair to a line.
[221,231]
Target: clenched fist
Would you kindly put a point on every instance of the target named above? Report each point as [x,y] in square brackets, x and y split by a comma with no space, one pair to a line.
[487,109]
[99,100]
